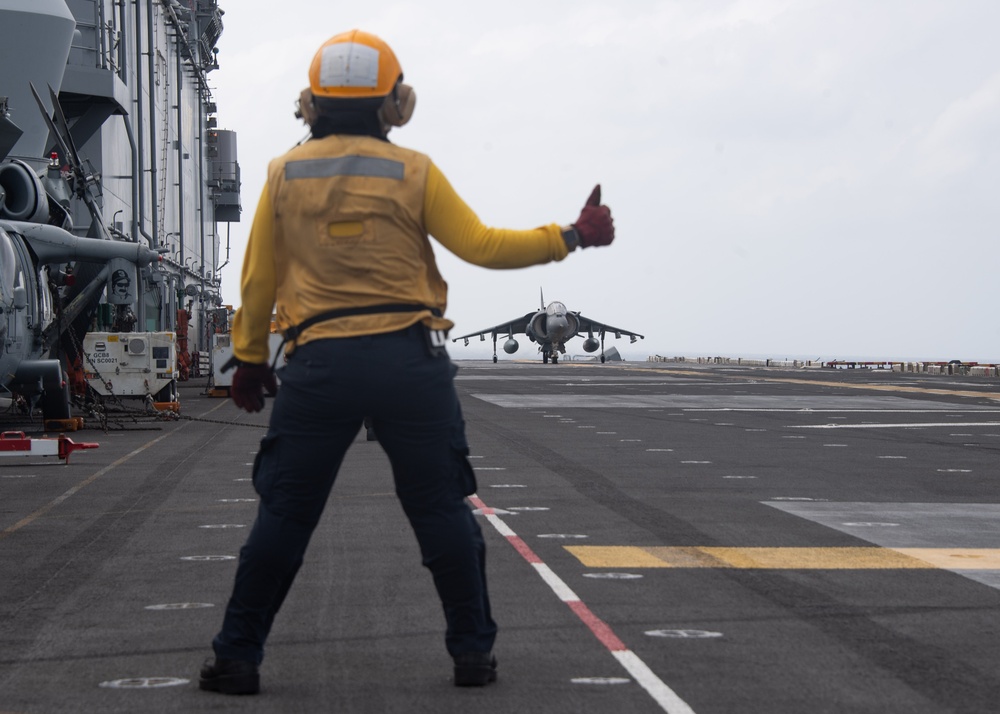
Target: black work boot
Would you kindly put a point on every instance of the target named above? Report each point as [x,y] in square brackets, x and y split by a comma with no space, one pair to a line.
[229,676]
[475,669]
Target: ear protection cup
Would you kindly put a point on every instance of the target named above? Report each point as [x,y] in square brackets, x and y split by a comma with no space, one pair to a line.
[399,105]
[304,108]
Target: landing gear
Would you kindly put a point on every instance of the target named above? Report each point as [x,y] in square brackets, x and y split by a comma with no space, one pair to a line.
[494,359]
[555,358]
[46,386]
[545,357]
[494,348]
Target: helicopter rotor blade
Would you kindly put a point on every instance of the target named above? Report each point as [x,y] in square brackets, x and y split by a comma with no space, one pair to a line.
[60,129]
[49,122]
[60,120]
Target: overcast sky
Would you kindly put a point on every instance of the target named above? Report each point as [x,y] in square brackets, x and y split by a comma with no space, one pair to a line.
[814,178]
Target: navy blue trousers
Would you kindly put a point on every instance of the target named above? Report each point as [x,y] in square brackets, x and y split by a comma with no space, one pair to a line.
[327,388]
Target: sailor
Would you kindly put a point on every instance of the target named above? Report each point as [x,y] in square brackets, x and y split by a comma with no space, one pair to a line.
[339,244]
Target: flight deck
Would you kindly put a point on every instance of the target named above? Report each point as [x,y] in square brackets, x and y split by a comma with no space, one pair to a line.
[661,538]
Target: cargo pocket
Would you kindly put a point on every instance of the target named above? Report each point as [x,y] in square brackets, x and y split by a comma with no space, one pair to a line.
[464,472]
[460,455]
[268,446]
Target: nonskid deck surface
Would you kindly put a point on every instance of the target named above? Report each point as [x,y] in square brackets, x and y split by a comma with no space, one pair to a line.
[661,538]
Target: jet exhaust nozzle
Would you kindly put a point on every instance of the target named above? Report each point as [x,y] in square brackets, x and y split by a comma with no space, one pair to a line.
[510,346]
[591,344]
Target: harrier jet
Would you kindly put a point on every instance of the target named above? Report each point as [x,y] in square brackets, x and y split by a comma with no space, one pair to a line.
[552,326]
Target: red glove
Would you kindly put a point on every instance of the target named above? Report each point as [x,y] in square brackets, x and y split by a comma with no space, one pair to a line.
[249,383]
[594,226]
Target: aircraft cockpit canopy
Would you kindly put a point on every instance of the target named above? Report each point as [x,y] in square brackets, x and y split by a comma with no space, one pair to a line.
[555,309]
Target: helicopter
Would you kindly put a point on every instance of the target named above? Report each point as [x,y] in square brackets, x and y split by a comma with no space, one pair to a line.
[50,278]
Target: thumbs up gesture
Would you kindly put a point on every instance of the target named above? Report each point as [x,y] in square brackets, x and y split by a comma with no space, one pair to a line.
[594,226]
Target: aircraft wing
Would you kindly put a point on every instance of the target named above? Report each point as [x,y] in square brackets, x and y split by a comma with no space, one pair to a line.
[518,324]
[587,325]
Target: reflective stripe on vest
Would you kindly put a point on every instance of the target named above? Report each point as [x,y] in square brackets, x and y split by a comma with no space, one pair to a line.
[344,166]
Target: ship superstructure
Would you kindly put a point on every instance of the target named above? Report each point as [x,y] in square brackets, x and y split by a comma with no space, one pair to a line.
[116,184]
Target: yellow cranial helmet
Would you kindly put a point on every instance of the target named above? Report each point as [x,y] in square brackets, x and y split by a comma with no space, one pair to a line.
[360,65]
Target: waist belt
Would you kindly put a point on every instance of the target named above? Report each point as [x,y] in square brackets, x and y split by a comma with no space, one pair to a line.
[293,332]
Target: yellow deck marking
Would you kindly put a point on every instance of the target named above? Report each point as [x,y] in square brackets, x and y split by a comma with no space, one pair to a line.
[957,558]
[617,556]
[866,558]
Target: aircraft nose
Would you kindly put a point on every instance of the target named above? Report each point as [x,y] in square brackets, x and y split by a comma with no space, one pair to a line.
[556,324]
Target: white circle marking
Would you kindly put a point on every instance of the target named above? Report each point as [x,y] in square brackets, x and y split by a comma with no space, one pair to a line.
[613,576]
[208,558]
[600,680]
[684,634]
[144,683]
